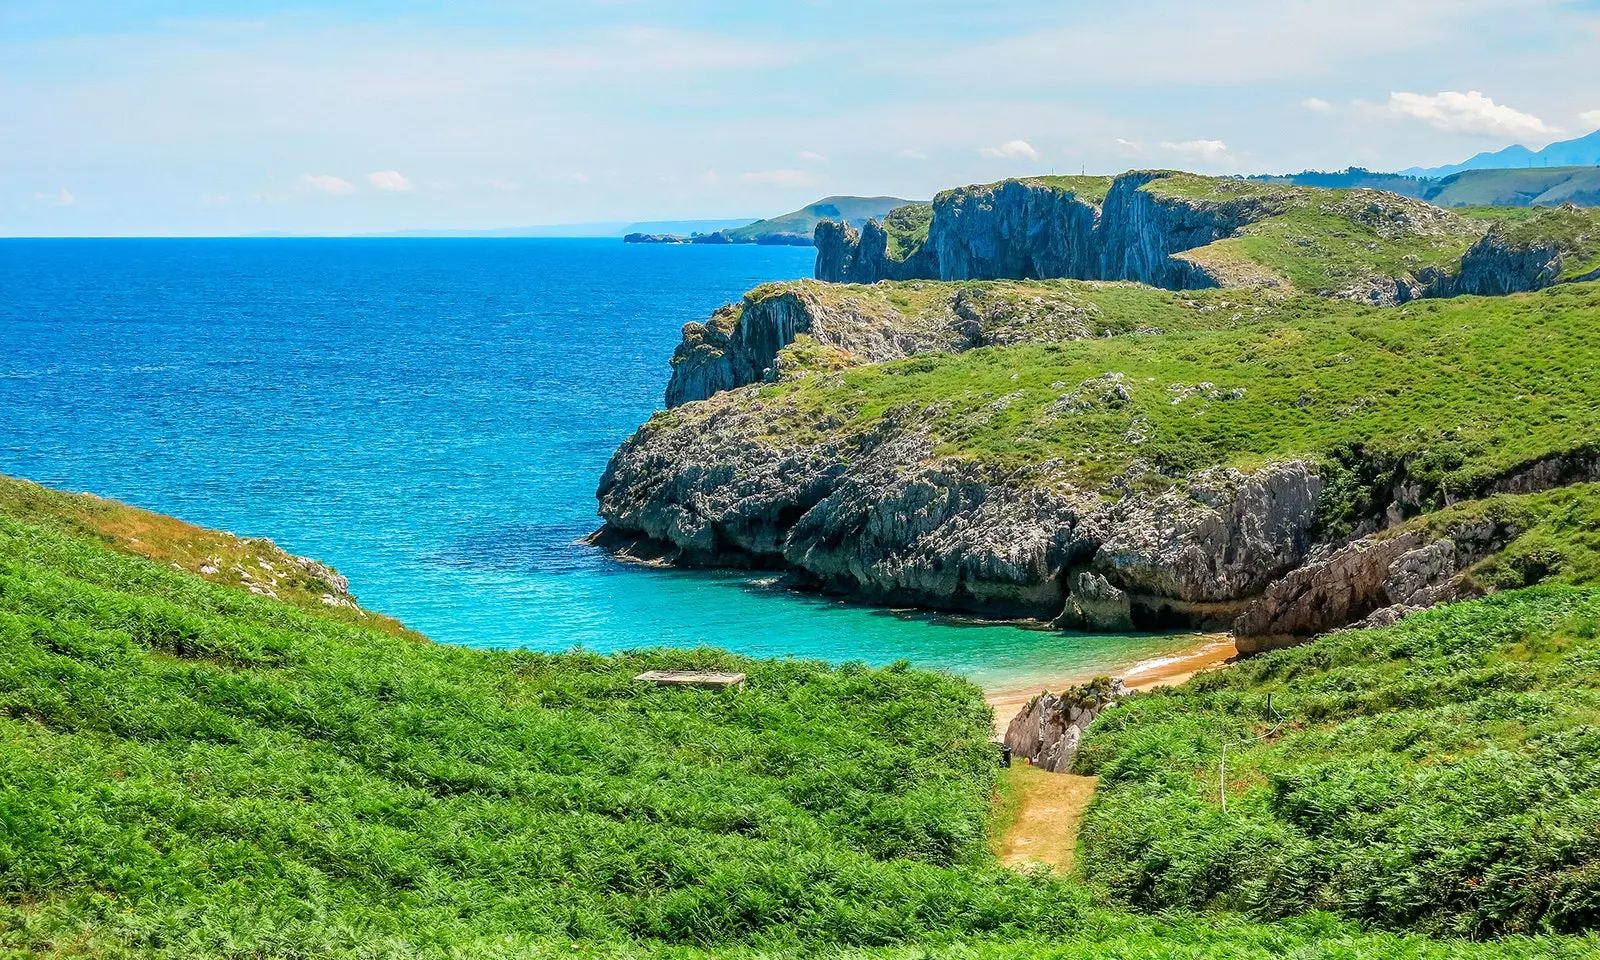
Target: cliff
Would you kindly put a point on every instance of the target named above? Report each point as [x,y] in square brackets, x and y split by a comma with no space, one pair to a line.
[1180,231]
[838,326]
[1099,455]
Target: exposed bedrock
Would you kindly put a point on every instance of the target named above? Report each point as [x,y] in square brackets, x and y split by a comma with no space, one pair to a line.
[1022,229]
[1531,255]
[1049,730]
[881,517]
[740,343]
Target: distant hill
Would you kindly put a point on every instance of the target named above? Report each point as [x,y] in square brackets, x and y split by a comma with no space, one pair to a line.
[1580,152]
[1537,187]
[794,228]
[1523,187]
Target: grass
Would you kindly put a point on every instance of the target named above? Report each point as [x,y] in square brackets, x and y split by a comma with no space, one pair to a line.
[209,762]
[190,770]
[1325,241]
[1460,389]
[252,564]
[1442,774]
[1558,539]
[907,228]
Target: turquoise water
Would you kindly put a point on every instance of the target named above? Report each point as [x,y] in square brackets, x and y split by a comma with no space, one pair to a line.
[429,416]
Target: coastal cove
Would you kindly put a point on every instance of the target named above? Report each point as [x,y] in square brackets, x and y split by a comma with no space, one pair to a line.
[431,417]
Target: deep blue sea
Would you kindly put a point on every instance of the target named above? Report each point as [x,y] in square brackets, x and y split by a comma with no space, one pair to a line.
[430,417]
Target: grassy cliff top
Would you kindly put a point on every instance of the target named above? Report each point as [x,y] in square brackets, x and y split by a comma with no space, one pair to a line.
[1470,387]
[1088,189]
[1322,240]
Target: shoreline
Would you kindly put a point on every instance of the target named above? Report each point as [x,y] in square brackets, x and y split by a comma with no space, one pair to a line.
[1210,651]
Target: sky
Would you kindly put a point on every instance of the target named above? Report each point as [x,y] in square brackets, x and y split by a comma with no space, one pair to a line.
[198,118]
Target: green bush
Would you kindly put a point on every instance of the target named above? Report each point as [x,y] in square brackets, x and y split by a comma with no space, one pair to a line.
[1441,774]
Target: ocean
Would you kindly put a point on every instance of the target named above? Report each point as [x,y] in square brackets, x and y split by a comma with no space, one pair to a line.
[431,418]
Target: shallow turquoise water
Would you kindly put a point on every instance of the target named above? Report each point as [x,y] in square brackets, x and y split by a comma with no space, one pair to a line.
[430,417]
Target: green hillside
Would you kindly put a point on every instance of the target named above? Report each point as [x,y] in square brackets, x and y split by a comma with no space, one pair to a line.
[801,223]
[190,770]
[1530,187]
[1443,773]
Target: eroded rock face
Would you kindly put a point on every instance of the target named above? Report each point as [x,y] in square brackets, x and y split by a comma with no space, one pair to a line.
[1216,540]
[882,517]
[1022,229]
[1374,580]
[1049,730]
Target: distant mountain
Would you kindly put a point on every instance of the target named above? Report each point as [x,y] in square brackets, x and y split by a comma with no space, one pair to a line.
[794,228]
[1581,152]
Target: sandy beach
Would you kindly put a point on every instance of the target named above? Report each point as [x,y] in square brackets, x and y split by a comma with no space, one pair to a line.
[1210,650]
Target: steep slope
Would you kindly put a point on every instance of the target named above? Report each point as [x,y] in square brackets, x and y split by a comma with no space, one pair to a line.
[1173,230]
[1143,478]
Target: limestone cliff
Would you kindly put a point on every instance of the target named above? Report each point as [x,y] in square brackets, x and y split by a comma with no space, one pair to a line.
[1180,232]
[1550,247]
[741,343]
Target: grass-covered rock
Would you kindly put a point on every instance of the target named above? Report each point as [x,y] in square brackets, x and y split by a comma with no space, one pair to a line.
[1186,448]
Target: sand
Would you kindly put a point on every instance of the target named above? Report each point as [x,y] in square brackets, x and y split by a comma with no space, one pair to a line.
[1210,650]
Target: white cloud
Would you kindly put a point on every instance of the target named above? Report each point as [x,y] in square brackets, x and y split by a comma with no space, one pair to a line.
[1199,151]
[1012,150]
[61,198]
[1317,105]
[327,183]
[1590,118]
[812,157]
[392,180]
[504,186]
[912,155]
[1469,112]
[215,199]
[780,178]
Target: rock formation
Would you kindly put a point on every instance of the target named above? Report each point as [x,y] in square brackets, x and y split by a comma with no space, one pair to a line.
[1048,731]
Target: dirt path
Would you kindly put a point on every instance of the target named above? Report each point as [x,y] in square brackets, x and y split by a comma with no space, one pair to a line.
[1047,810]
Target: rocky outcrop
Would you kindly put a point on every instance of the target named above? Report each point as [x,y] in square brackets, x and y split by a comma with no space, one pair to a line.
[1412,565]
[740,343]
[1048,731]
[1031,229]
[882,517]
[1531,254]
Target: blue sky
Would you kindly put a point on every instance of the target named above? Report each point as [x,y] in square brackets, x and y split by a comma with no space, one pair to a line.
[159,118]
